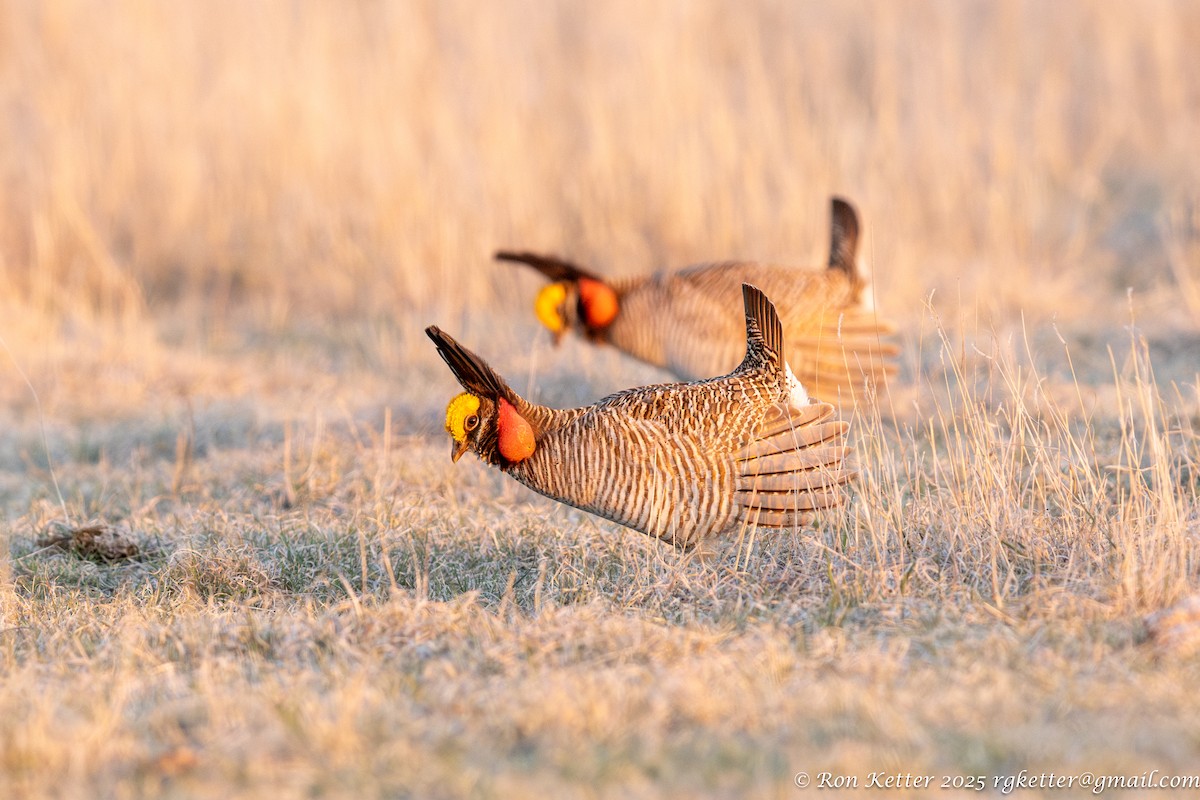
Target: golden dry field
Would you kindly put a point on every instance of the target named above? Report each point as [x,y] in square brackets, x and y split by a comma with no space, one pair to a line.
[224,225]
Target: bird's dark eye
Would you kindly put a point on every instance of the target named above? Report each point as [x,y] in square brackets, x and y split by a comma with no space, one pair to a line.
[471,422]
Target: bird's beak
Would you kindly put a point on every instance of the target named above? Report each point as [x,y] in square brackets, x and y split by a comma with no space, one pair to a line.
[457,450]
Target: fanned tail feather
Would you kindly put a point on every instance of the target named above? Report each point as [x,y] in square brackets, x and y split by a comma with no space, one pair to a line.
[803,457]
[845,353]
[806,500]
[794,467]
[783,432]
[843,245]
[764,332]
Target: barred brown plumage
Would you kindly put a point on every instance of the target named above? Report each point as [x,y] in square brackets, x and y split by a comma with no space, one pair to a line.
[684,461]
[687,322]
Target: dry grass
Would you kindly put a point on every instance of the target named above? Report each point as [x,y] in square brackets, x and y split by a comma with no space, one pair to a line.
[221,235]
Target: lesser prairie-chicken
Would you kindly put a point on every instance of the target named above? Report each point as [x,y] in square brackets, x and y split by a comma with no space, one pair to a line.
[688,321]
[686,462]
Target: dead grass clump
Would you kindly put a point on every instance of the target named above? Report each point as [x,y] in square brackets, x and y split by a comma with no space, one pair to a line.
[97,542]
[221,573]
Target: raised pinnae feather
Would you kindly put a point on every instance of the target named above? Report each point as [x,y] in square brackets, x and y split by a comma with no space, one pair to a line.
[552,267]
[472,371]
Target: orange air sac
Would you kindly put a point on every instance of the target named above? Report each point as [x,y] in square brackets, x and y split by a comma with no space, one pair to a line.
[599,303]
[516,435]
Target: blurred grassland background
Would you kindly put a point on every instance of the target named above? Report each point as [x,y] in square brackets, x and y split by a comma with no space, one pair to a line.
[223,227]
[365,159]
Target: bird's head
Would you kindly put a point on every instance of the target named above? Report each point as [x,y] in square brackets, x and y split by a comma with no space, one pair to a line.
[586,305]
[574,300]
[493,429]
[488,417]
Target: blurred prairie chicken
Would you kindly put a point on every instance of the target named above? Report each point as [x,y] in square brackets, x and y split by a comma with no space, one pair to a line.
[685,462]
[687,321]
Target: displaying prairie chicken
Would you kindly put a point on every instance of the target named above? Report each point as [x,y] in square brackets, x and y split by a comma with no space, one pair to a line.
[687,321]
[684,462]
